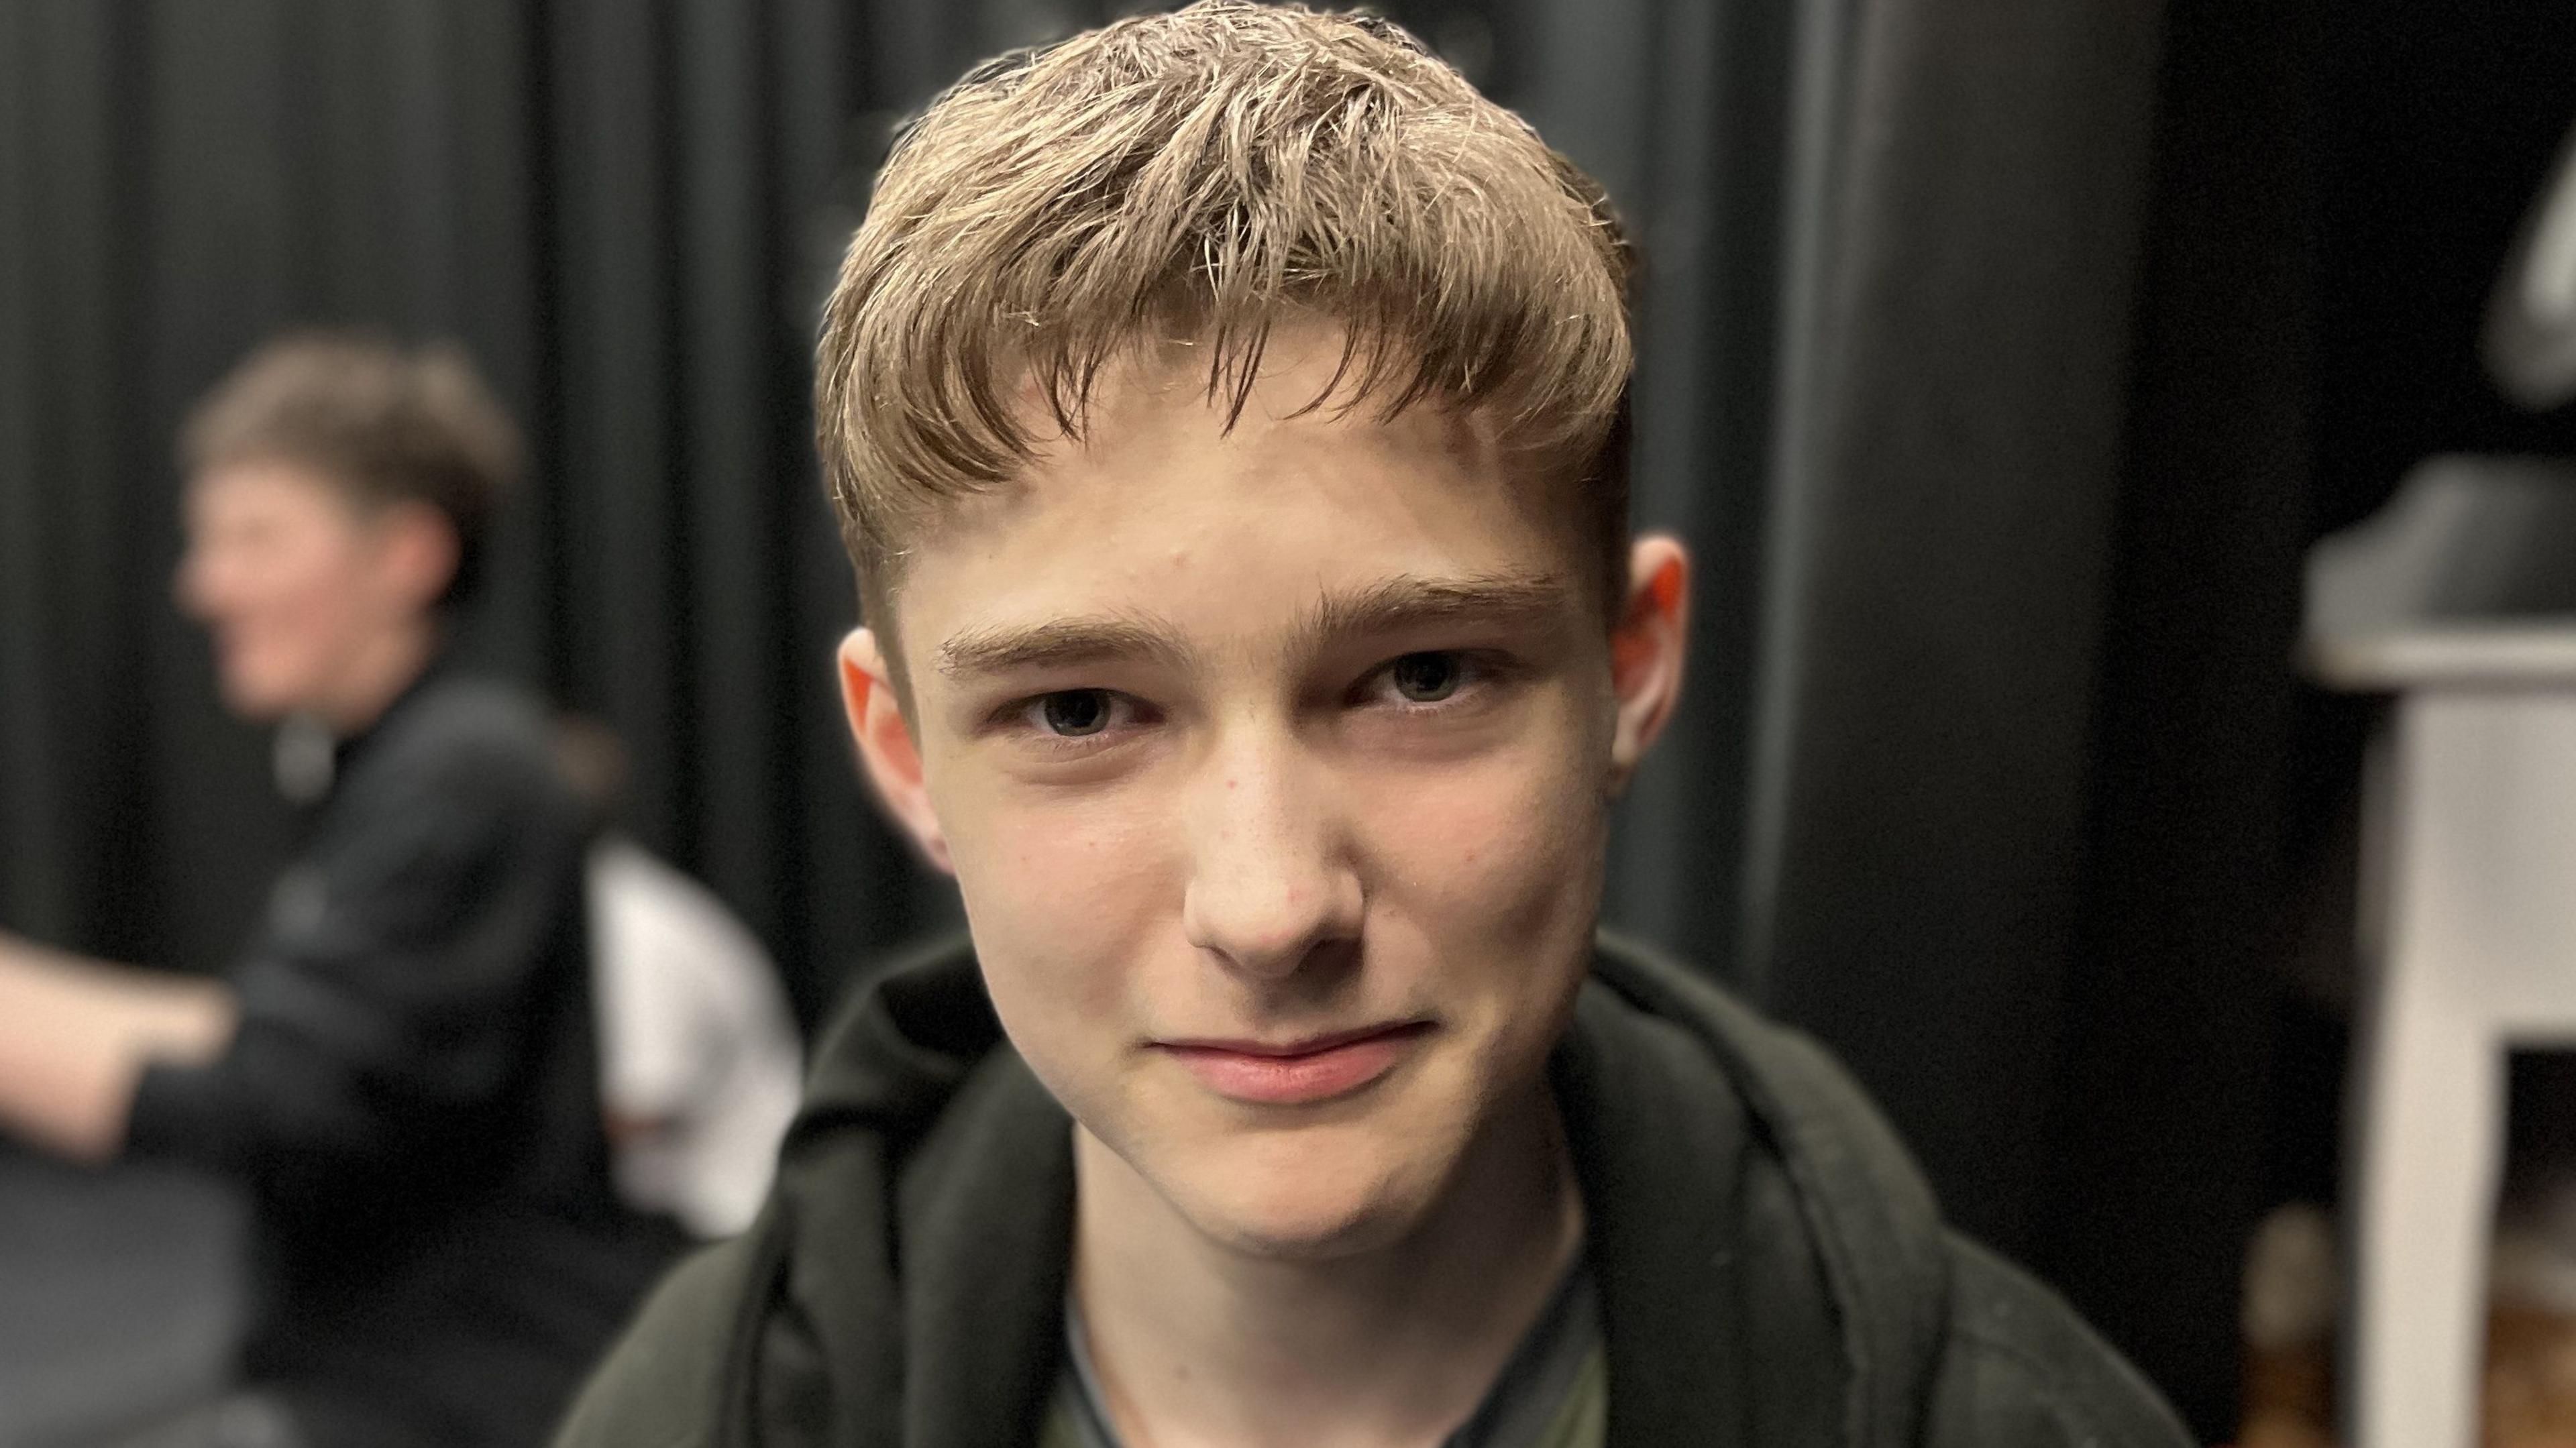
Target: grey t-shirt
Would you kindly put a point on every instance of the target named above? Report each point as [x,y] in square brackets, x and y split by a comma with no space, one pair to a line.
[1552,1392]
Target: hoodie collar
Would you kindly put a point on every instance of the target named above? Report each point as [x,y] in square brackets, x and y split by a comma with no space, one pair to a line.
[926,1193]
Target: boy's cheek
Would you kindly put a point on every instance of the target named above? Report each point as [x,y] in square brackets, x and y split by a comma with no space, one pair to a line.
[1478,845]
[1055,850]
[1057,894]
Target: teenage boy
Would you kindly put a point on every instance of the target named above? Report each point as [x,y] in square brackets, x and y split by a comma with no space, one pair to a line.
[1225,414]
[400,1069]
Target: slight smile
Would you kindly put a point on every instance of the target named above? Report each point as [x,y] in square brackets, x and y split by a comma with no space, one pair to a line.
[1298,1073]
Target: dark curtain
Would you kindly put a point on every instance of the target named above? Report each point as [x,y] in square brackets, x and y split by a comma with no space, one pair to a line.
[2173,1054]
[1982,363]
[2094,318]
[1969,213]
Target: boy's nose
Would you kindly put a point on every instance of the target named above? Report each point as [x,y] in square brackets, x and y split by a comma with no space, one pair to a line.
[1272,884]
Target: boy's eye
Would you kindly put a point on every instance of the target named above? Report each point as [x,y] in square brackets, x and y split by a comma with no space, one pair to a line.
[1426,678]
[1074,713]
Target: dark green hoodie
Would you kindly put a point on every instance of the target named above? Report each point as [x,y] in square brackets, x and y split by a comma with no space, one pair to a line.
[1772,1271]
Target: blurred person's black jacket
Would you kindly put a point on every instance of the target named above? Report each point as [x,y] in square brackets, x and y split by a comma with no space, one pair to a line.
[411,1097]
[1772,1268]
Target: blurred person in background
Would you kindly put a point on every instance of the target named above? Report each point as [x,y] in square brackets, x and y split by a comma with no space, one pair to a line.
[698,1053]
[400,1069]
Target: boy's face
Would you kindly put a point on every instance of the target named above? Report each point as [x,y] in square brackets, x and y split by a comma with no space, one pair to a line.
[298,584]
[1273,766]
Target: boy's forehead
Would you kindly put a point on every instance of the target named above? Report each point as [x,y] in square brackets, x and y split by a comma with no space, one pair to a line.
[267,485]
[1165,514]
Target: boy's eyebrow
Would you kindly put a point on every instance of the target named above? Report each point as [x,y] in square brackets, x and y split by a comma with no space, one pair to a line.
[1056,644]
[1395,603]
[1404,601]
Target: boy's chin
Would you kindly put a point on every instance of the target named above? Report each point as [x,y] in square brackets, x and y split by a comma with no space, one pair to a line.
[1312,1232]
[1317,1211]
[255,700]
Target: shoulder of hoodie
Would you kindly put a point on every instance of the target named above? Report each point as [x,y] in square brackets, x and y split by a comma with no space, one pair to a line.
[2013,1366]
[2022,1370]
[665,1383]
[462,734]
[680,1375]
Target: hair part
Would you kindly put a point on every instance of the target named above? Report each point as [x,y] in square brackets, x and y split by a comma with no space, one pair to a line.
[379,422]
[1196,178]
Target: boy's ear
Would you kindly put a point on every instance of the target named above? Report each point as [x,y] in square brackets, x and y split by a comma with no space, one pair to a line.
[885,743]
[418,549]
[1647,644]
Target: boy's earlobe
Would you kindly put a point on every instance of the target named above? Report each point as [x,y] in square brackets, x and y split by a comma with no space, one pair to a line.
[1647,645]
[886,746]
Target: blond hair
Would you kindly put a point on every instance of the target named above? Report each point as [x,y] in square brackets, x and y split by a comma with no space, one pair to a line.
[1200,175]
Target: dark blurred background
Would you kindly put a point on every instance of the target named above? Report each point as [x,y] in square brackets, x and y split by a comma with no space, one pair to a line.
[2000,360]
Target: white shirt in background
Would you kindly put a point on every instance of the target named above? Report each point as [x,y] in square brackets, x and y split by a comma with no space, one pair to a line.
[695,1039]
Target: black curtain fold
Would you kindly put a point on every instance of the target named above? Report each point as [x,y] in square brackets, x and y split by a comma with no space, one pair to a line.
[1684,111]
[1936,566]
[2182,959]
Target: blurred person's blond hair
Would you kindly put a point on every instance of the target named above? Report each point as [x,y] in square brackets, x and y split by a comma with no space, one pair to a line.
[379,422]
[1189,180]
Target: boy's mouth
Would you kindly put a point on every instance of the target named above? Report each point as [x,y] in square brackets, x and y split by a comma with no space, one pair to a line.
[1297,1073]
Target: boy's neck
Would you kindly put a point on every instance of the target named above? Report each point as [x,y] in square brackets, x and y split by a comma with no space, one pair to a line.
[1198,1343]
[373,676]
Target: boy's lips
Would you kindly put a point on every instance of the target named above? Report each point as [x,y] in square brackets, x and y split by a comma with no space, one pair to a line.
[1295,1073]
